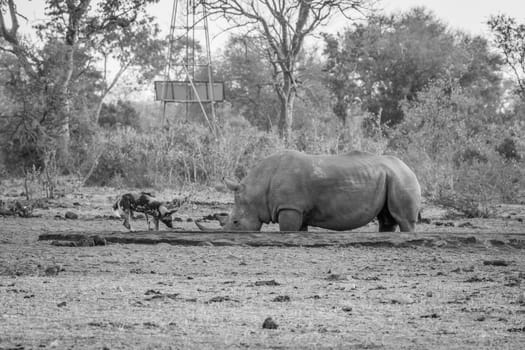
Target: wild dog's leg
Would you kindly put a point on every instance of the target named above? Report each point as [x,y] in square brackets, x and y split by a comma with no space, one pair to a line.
[156,221]
[127,219]
[147,220]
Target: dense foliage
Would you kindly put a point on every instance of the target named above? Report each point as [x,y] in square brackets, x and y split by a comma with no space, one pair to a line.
[402,83]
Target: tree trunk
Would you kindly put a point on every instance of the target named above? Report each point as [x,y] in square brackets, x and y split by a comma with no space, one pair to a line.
[286,98]
[64,116]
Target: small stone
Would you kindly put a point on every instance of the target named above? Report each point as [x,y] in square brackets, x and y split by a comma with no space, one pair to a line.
[99,240]
[347,308]
[521,298]
[401,299]
[71,215]
[52,270]
[429,294]
[269,324]
[62,304]
[281,298]
[495,262]
[336,277]
[267,283]
[85,242]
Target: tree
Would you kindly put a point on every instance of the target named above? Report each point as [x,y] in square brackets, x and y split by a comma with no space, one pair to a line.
[284,25]
[461,151]
[509,37]
[70,26]
[391,58]
[247,76]
[135,45]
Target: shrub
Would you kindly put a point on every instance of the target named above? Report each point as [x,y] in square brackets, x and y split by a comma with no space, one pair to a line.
[121,113]
[507,149]
[447,138]
[184,153]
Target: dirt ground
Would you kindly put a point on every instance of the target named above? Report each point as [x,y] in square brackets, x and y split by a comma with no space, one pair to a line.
[132,296]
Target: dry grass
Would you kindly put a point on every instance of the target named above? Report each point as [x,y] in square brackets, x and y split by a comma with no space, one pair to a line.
[175,297]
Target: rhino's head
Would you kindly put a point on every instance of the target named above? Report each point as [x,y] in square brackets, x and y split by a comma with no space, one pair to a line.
[245,213]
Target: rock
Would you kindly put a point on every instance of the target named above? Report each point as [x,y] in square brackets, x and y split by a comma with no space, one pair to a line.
[281,298]
[99,240]
[521,298]
[63,243]
[62,304]
[429,294]
[336,277]
[267,283]
[220,299]
[269,324]
[495,262]
[85,242]
[347,308]
[71,215]
[401,299]
[52,270]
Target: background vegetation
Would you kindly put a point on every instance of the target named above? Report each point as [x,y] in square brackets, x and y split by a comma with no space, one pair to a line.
[450,104]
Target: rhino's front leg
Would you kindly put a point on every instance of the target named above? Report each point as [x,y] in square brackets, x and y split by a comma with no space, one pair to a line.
[291,220]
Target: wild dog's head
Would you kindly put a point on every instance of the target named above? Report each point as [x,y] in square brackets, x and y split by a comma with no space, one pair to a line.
[166,216]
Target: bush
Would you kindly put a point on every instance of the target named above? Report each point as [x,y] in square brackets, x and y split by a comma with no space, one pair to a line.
[121,114]
[179,155]
[507,149]
[335,137]
[448,140]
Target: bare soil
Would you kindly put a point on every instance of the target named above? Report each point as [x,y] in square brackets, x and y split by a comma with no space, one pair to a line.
[217,295]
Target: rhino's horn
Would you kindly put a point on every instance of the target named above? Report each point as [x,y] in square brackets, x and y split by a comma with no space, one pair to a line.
[206,229]
[232,185]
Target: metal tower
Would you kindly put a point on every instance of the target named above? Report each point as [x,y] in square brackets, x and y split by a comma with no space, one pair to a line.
[189,79]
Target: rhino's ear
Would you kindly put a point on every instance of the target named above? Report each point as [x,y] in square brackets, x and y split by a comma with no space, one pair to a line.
[232,185]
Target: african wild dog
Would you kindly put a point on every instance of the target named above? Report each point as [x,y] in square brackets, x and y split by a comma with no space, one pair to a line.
[144,202]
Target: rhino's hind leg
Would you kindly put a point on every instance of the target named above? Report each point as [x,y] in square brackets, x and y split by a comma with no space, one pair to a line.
[291,220]
[386,221]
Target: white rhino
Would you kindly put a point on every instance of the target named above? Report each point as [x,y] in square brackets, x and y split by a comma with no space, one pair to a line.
[335,192]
